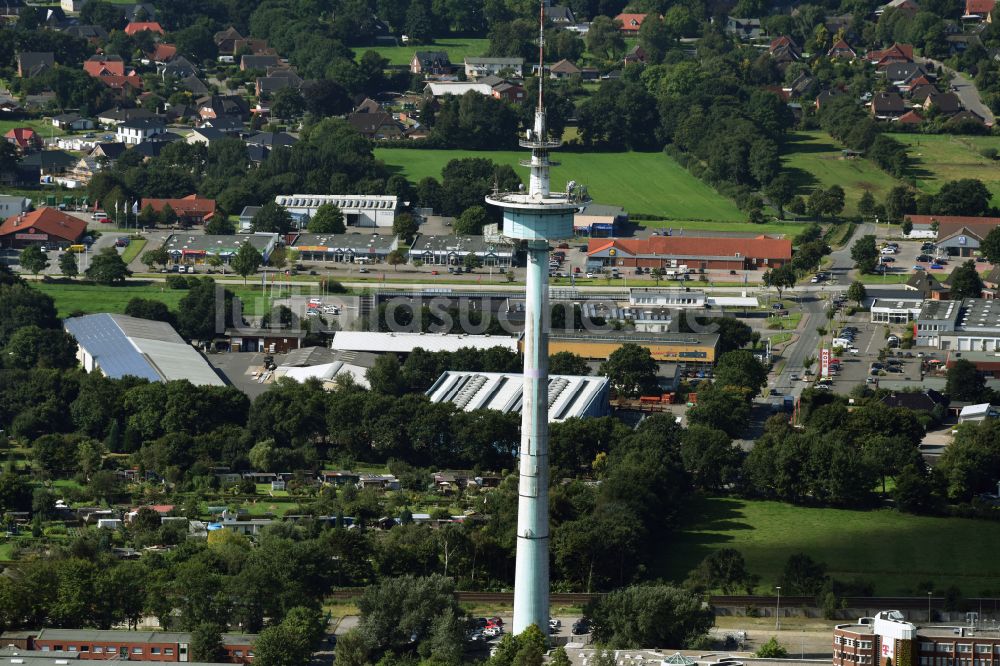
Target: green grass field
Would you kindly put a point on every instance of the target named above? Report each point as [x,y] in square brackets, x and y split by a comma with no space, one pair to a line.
[814,159]
[939,158]
[89,298]
[43,127]
[895,551]
[457,48]
[646,183]
[783,228]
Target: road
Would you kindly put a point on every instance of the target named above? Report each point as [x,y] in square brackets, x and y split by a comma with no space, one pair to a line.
[966,90]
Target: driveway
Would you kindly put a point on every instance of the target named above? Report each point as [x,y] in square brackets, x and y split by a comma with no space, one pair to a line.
[966,90]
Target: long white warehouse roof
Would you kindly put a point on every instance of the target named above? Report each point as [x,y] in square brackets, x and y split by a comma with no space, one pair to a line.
[404,343]
[569,395]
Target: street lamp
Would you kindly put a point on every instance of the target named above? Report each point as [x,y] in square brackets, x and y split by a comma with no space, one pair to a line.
[777,611]
[929,593]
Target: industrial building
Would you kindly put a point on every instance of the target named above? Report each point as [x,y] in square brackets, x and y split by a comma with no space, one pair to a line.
[404,343]
[687,253]
[969,325]
[599,220]
[325,365]
[196,249]
[345,248]
[452,250]
[119,346]
[569,396]
[688,348]
[874,641]
[47,227]
[132,646]
[360,210]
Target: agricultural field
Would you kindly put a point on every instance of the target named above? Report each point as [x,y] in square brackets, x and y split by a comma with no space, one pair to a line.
[643,183]
[938,158]
[458,48]
[887,548]
[814,159]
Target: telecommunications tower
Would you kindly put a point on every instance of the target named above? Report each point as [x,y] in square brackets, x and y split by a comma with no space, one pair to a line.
[535,217]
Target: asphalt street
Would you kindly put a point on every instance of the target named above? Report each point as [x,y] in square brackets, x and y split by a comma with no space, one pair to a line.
[966,90]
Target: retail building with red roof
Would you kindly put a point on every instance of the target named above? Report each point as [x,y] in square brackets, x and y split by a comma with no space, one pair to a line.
[46,226]
[697,253]
[192,209]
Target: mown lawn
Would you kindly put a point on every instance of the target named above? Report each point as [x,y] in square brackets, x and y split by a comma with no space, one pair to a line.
[937,159]
[895,551]
[790,229]
[89,298]
[647,183]
[814,159]
[458,48]
[42,126]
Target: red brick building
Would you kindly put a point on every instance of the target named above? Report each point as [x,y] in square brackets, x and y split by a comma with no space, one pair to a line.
[126,645]
[697,253]
[46,226]
[192,209]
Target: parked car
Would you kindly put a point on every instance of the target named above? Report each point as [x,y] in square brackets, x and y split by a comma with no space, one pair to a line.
[936,267]
[581,626]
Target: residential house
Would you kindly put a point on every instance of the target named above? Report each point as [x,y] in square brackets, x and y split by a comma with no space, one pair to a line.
[226,40]
[255,47]
[919,94]
[509,92]
[368,105]
[261,62]
[560,15]
[108,152]
[980,10]
[908,7]
[80,174]
[178,68]
[841,49]
[911,117]
[33,63]
[902,74]
[191,209]
[139,12]
[636,54]
[205,135]
[267,86]
[802,86]
[117,117]
[564,69]
[945,103]
[24,138]
[784,50]
[631,23]
[479,67]
[135,27]
[162,53]
[216,106]
[925,401]
[72,121]
[272,140]
[194,85]
[431,63]
[897,53]
[376,125]
[231,125]
[991,284]
[102,65]
[134,132]
[246,217]
[746,29]
[927,285]
[72,5]
[44,166]
[827,95]
[887,105]
[92,33]
[966,116]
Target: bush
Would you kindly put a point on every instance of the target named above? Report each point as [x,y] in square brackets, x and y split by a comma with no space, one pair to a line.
[177,282]
[989,153]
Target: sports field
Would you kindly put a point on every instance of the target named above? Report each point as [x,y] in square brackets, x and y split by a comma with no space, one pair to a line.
[646,183]
[895,551]
[457,47]
[938,158]
[814,159]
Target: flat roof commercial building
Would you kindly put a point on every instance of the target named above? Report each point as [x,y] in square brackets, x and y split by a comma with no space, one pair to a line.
[360,210]
[196,249]
[119,346]
[895,311]
[452,250]
[569,396]
[970,325]
[345,248]
[404,343]
[599,220]
[151,646]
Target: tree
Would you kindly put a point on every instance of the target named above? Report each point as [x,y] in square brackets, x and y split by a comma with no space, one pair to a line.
[328,220]
[990,247]
[272,218]
[386,376]
[780,192]
[471,261]
[724,569]
[151,258]
[780,278]
[966,196]
[604,39]
[866,205]
[405,226]
[568,363]
[107,267]
[741,369]
[965,382]
[965,281]
[34,347]
[148,217]
[772,649]
[397,613]
[648,616]
[168,216]
[33,260]
[20,306]
[907,226]
[206,643]
[865,253]
[395,258]
[287,103]
[471,221]
[803,576]
[857,292]
[420,21]
[67,265]
[632,371]
[899,202]
[246,260]
[220,225]
[292,642]
[278,258]
[148,308]
[721,408]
